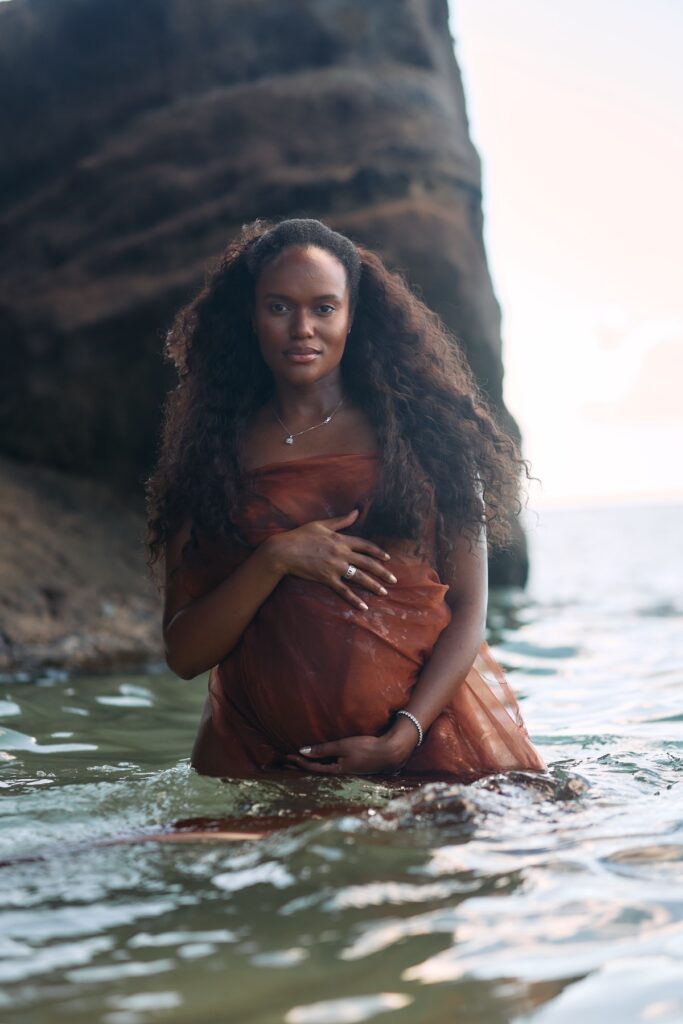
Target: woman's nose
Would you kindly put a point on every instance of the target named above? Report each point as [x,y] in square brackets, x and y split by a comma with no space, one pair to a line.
[301,326]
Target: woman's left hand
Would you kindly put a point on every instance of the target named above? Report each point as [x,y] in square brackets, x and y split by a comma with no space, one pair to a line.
[357,755]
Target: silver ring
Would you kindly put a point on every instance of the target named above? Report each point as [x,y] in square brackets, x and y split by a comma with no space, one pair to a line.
[350,572]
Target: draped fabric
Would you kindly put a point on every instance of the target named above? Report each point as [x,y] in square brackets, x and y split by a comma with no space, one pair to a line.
[311,668]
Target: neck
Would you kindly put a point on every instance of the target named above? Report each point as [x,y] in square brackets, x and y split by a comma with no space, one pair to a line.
[305,405]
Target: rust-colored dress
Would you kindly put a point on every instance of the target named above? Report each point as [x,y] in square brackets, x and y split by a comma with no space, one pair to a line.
[311,668]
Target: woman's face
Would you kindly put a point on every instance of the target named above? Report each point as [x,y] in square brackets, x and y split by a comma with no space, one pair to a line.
[301,314]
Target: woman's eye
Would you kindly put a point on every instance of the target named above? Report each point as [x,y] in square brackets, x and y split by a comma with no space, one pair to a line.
[280,307]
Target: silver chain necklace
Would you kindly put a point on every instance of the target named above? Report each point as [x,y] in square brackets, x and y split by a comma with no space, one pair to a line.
[289,439]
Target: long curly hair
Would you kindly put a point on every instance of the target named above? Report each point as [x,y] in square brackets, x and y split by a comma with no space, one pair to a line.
[433,424]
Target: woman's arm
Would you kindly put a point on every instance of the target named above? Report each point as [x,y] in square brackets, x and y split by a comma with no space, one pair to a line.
[466,572]
[200,632]
[456,648]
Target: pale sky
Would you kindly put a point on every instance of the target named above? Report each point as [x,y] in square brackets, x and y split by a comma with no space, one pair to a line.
[575,110]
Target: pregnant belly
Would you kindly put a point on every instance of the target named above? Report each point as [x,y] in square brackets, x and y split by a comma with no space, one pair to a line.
[312,668]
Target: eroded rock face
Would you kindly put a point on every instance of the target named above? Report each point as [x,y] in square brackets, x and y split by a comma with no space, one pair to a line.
[74,589]
[139,136]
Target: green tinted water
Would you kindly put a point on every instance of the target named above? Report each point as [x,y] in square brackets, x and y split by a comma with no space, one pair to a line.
[515,899]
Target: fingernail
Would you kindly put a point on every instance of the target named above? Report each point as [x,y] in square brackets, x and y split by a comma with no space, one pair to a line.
[364,606]
[386,555]
[305,750]
[392,578]
[382,590]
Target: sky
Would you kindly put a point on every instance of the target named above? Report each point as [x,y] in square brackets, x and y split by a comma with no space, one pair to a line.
[575,110]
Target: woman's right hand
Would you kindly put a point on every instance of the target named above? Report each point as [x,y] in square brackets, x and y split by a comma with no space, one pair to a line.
[315,551]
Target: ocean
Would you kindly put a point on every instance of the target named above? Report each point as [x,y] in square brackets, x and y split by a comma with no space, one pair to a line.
[519,898]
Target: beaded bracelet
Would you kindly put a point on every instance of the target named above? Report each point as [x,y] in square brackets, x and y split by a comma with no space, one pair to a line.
[415,722]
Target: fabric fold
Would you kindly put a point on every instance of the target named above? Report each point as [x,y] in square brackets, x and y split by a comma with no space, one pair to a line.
[311,668]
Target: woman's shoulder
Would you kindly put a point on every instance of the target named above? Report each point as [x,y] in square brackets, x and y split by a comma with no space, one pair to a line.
[197,559]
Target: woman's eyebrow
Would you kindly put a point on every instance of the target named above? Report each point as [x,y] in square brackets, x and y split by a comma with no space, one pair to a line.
[316,298]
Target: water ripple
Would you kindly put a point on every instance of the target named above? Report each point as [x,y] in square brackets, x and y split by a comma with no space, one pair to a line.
[552,897]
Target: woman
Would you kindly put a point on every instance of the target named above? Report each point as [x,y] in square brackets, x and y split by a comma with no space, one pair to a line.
[327,476]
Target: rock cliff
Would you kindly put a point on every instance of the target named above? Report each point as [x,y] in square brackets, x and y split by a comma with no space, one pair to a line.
[139,136]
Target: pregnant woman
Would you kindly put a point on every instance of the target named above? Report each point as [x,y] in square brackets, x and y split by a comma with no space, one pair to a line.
[328,482]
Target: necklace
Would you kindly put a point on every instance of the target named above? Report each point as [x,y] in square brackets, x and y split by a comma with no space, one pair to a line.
[289,439]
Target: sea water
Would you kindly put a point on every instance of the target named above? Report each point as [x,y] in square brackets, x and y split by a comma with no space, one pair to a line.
[555,899]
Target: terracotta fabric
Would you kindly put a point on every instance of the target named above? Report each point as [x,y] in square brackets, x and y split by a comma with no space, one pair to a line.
[310,667]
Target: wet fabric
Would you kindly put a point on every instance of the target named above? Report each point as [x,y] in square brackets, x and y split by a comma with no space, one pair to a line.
[311,668]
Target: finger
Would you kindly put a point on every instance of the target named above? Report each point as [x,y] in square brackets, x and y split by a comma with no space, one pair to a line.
[302,762]
[361,544]
[347,593]
[372,567]
[294,761]
[339,522]
[334,748]
[362,579]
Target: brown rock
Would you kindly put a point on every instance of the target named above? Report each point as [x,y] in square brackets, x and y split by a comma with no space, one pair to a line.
[74,590]
[138,137]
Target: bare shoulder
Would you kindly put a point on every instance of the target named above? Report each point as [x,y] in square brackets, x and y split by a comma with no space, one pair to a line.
[355,432]
[465,568]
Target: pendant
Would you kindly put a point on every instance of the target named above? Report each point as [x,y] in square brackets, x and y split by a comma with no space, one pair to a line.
[289,440]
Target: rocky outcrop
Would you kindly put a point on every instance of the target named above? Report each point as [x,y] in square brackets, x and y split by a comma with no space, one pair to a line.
[137,137]
[75,591]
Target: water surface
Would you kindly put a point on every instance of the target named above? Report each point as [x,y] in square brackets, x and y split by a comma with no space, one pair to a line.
[517,898]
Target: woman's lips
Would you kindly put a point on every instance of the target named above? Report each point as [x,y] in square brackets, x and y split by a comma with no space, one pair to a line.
[302,355]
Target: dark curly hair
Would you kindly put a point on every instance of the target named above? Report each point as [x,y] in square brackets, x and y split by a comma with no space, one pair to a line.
[400,365]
